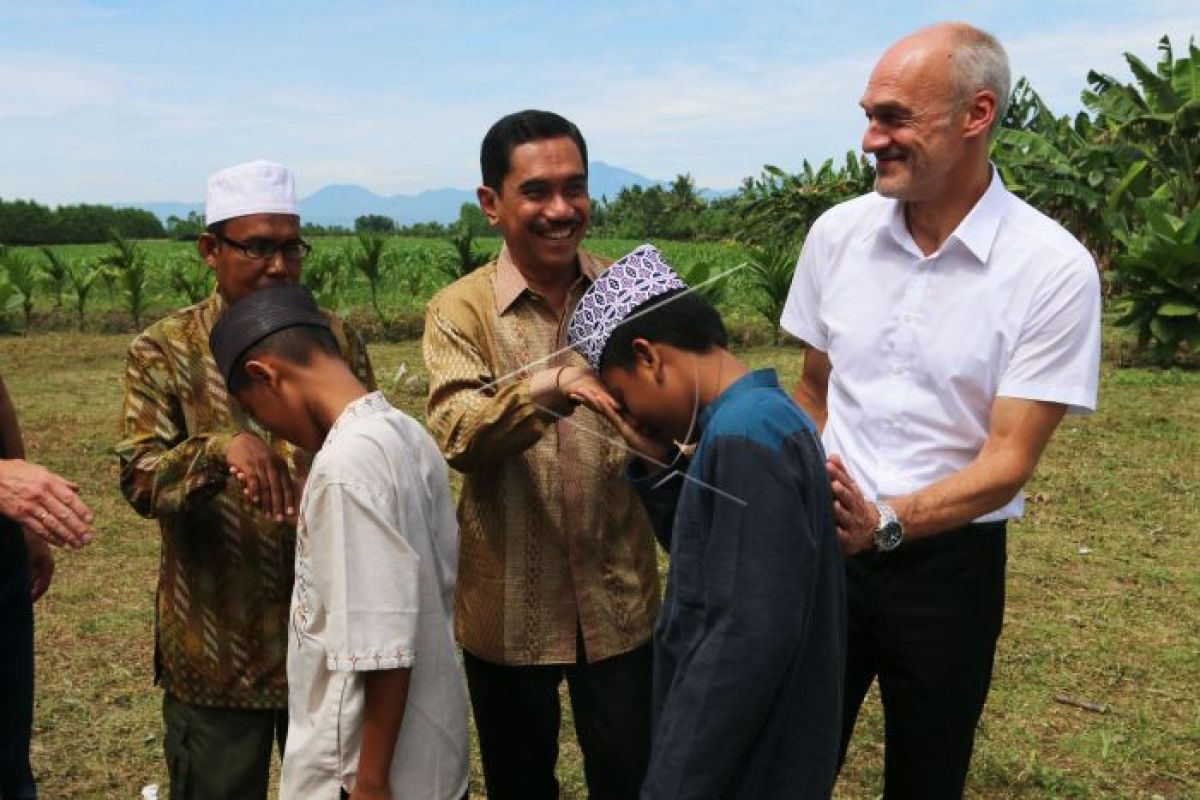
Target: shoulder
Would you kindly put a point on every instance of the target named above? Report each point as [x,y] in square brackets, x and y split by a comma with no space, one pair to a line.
[180,327]
[852,217]
[599,263]
[469,301]
[366,447]
[1049,240]
[473,290]
[765,417]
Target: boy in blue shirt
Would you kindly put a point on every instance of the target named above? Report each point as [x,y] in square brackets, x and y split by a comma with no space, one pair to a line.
[749,649]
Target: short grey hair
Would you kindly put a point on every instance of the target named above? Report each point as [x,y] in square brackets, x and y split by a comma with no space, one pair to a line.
[981,63]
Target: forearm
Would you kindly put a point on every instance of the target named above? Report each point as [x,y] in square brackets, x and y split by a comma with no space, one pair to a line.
[1020,432]
[159,481]
[475,430]
[955,501]
[385,698]
[812,401]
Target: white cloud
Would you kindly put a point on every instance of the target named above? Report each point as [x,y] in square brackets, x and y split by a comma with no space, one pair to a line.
[76,128]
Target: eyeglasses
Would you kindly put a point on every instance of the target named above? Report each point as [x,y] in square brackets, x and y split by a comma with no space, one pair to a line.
[265,249]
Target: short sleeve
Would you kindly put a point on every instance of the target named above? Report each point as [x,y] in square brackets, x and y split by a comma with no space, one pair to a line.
[1057,355]
[367,575]
[801,313]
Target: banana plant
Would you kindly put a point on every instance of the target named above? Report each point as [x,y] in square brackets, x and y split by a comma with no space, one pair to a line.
[1159,274]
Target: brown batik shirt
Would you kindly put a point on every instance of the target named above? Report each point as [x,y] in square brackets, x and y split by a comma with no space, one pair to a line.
[225,574]
[553,539]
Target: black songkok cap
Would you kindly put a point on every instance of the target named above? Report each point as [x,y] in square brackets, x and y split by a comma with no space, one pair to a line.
[257,316]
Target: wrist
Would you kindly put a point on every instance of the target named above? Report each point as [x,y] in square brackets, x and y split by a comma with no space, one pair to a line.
[888,533]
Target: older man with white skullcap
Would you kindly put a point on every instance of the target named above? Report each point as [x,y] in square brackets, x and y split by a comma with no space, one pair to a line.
[224,492]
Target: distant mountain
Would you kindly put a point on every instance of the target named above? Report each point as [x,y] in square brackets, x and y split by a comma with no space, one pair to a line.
[341,204]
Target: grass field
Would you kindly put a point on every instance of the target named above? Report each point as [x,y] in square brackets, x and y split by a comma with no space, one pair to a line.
[1104,593]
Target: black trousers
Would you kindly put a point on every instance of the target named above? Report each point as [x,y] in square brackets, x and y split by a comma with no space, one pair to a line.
[517,717]
[16,685]
[924,619]
[220,753]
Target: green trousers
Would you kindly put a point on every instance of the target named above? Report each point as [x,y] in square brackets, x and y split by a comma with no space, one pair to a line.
[220,753]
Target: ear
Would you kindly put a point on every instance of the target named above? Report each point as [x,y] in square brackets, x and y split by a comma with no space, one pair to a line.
[646,356]
[263,373]
[489,201]
[207,245]
[981,111]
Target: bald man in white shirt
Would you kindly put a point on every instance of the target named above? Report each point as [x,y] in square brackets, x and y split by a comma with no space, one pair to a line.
[950,327]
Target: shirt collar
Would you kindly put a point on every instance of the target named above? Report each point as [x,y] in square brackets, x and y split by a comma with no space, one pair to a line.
[368,405]
[757,379]
[977,231]
[510,284]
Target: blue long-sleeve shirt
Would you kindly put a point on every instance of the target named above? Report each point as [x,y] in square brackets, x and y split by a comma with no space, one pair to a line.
[750,645]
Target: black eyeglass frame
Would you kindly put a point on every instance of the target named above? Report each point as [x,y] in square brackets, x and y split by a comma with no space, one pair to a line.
[245,248]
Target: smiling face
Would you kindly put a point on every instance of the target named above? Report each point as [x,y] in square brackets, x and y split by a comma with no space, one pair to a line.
[542,207]
[915,120]
[238,274]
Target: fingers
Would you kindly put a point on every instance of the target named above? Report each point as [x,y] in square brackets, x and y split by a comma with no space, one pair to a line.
[270,486]
[66,523]
[280,481]
[272,501]
[39,525]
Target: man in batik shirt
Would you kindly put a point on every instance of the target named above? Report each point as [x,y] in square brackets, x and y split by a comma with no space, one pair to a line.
[228,544]
[557,570]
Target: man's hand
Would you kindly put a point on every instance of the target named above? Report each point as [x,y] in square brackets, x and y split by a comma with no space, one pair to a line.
[42,502]
[264,476]
[856,518]
[41,565]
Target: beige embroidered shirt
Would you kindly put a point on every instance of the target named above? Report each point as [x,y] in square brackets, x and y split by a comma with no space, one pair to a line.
[553,539]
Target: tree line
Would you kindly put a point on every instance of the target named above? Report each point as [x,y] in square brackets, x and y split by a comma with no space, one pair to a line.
[28,222]
[1123,176]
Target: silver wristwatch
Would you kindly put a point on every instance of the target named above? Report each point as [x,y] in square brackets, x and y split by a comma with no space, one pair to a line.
[890,532]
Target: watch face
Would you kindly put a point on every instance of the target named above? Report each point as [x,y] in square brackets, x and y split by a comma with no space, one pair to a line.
[889,536]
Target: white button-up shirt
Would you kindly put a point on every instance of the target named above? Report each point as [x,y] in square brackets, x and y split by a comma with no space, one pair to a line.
[376,560]
[920,346]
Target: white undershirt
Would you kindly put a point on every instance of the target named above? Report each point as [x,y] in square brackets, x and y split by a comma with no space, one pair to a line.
[921,346]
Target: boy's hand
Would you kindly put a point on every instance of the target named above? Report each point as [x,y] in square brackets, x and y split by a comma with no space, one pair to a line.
[41,565]
[264,476]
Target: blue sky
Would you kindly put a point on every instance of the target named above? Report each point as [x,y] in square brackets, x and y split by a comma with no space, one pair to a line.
[137,101]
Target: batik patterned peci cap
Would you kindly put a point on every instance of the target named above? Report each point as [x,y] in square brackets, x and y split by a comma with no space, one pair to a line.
[631,280]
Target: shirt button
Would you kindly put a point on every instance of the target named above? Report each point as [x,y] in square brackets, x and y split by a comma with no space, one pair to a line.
[908,318]
[897,370]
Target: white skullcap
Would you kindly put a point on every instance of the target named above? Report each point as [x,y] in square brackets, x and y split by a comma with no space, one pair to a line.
[259,187]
